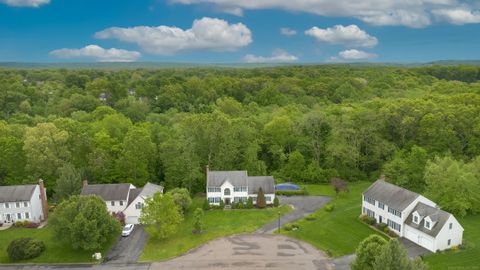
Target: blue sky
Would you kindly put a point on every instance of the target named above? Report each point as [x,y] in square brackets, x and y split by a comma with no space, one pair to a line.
[239,31]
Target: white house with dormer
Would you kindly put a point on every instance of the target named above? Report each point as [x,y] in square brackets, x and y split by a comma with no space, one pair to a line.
[412,216]
[236,186]
[125,198]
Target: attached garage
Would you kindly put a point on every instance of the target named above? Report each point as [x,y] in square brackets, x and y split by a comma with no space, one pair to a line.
[131,220]
[419,238]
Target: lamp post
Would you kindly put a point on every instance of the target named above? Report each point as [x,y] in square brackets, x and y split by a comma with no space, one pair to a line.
[278,221]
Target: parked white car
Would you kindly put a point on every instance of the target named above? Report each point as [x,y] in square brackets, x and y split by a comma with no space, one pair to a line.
[128,229]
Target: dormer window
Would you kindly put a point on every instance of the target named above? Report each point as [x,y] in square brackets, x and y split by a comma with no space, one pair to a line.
[415,219]
[427,224]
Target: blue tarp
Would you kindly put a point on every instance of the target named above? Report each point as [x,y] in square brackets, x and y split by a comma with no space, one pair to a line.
[287,186]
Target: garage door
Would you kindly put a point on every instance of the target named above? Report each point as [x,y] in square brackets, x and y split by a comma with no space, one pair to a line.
[131,220]
[425,242]
[417,238]
[411,235]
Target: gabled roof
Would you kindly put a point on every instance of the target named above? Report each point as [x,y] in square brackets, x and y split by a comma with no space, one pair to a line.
[236,178]
[437,215]
[146,191]
[108,192]
[265,182]
[18,193]
[394,196]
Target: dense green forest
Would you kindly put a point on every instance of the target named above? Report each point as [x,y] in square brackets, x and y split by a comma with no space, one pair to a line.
[298,123]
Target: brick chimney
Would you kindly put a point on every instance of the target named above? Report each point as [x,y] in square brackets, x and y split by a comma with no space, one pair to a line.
[43,199]
[85,183]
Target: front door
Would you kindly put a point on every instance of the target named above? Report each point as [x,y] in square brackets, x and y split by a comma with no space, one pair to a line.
[379,219]
[227,201]
[9,218]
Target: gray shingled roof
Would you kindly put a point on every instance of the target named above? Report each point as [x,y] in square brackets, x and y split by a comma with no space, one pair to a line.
[16,193]
[438,215]
[108,192]
[236,178]
[266,182]
[391,195]
[148,190]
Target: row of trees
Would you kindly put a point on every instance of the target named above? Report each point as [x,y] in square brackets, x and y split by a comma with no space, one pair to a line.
[305,124]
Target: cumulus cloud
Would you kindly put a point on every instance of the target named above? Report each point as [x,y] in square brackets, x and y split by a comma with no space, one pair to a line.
[287,31]
[205,34]
[97,53]
[350,35]
[353,55]
[25,3]
[278,56]
[458,16]
[411,13]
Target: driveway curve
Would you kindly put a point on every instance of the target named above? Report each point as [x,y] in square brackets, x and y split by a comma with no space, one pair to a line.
[250,251]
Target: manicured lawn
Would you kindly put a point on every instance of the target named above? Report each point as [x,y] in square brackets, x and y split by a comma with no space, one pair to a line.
[462,259]
[337,232]
[55,252]
[218,223]
[319,190]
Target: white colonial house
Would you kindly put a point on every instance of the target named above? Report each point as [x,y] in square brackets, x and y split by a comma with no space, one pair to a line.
[125,198]
[23,203]
[236,186]
[412,216]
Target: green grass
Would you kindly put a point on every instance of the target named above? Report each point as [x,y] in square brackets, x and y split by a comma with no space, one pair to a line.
[218,223]
[461,259]
[337,232]
[55,252]
[319,190]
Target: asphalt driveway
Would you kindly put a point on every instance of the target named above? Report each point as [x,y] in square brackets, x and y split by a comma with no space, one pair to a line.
[128,249]
[302,206]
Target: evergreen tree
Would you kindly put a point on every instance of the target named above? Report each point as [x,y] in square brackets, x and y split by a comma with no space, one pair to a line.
[261,202]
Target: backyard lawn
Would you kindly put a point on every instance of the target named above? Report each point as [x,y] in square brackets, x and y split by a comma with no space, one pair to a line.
[218,223]
[338,232]
[55,252]
[462,259]
[319,190]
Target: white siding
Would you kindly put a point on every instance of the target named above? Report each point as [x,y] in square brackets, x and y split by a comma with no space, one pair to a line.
[455,234]
[132,214]
[34,209]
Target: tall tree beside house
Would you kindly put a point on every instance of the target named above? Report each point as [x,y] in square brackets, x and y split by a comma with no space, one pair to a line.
[393,256]
[160,216]
[339,185]
[367,251]
[261,202]
[454,185]
[182,199]
[83,222]
[68,183]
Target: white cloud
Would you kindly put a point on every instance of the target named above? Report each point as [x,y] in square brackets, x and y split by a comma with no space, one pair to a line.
[353,55]
[98,53]
[350,35]
[25,3]
[278,56]
[287,31]
[411,13]
[205,34]
[458,16]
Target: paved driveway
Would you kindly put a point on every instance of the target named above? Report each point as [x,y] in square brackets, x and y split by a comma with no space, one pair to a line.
[302,206]
[128,249]
[250,251]
[413,249]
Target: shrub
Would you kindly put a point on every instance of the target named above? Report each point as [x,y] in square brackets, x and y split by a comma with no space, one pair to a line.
[392,234]
[25,248]
[222,204]
[311,217]
[368,220]
[198,221]
[249,203]
[120,216]
[206,205]
[32,225]
[454,248]
[299,192]
[182,198]
[382,226]
[276,202]
[291,227]
[386,230]
[329,207]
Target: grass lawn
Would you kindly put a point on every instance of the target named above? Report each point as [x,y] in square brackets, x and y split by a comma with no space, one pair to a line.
[462,259]
[55,252]
[337,232]
[319,190]
[218,223]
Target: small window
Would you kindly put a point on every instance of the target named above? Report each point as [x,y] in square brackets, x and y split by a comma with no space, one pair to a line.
[25,204]
[138,205]
[427,224]
[17,205]
[112,203]
[268,198]
[226,192]
[450,226]
[19,215]
[27,215]
[121,203]
[381,205]
[7,205]
[449,242]
[415,219]
[210,200]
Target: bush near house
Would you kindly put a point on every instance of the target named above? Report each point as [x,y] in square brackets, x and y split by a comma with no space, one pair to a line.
[25,248]
[300,192]
[276,202]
